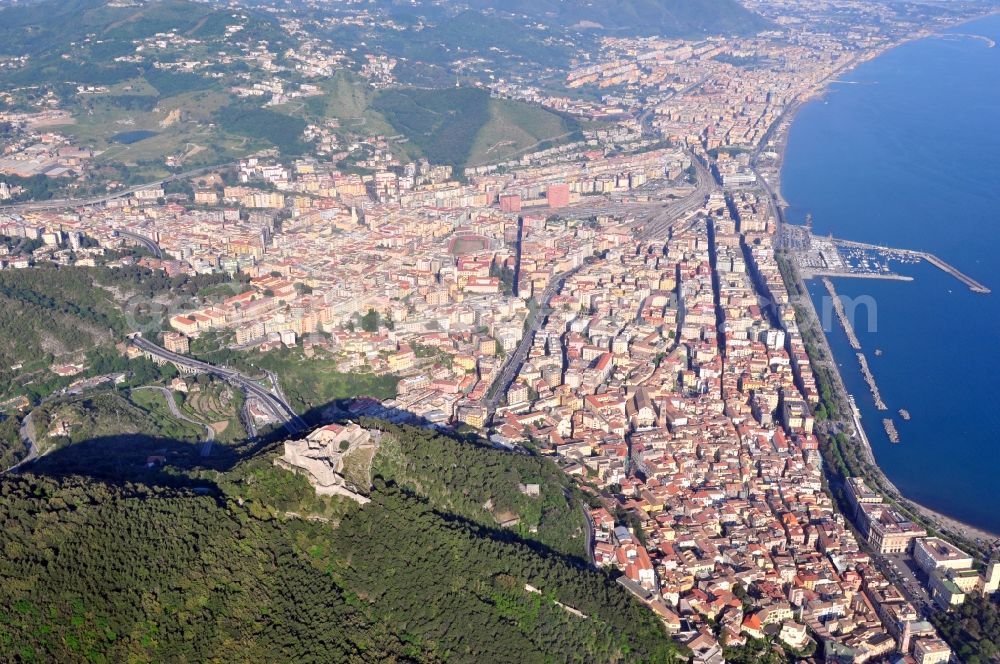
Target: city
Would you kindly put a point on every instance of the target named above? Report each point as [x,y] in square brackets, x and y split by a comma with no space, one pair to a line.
[621,301]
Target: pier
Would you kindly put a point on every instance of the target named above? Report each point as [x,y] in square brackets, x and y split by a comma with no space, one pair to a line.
[838,308]
[972,284]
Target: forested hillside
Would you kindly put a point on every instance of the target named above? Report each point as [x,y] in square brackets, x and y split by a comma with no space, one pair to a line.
[149,572]
[52,314]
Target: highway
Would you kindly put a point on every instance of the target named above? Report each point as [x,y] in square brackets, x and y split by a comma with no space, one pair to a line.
[278,408]
[61,203]
[512,366]
[144,241]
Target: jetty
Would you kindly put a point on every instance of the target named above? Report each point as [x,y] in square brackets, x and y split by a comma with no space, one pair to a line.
[870,379]
[838,308]
[890,430]
[973,285]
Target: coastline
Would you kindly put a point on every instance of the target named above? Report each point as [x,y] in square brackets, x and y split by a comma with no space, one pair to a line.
[783,124]
[945,524]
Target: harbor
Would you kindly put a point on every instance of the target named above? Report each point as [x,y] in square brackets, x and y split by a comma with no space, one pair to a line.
[852,339]
[819,256]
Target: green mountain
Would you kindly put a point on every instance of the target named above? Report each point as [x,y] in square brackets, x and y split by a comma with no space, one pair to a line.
[77,41]
[670,18]
[464,126]
[47,27]
[248,564]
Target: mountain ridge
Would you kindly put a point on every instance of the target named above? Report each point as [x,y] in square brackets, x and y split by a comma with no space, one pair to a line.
[669,18]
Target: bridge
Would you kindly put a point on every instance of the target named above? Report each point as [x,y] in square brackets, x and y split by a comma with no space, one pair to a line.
[274,404]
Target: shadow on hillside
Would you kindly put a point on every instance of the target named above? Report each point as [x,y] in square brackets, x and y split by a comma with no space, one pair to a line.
[167,462]
[510,536]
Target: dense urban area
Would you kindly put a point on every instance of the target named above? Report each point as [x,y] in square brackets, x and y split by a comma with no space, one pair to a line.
[454,331]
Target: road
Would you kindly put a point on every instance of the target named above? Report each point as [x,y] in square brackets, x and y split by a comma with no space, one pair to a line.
[512,365]
[27,433]
[278,408]
[80,202]
[902,570]
[176,412]
[144,241]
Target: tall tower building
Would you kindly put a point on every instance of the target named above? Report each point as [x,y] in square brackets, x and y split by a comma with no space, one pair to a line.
[991,581]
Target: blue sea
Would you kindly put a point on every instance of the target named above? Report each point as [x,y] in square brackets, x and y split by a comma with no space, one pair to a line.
[905,152]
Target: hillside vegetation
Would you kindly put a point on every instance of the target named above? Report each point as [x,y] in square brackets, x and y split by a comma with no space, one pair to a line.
[128,571]
[51,314]
[47,312]
[973,629]
[78,42]
[464,126]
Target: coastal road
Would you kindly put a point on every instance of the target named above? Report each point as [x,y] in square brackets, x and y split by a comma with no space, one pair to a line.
[278,408]
[175,411]
[514,361]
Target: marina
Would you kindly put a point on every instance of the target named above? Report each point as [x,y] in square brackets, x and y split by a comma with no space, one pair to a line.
[819,256]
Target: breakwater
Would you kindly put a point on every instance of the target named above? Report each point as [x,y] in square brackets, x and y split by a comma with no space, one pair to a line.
[869,377]
[838,308]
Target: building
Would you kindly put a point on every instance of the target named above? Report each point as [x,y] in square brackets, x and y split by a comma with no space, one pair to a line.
[949,587]
[933,553]
[858,493]
[147,195]
[175,342]
[320,457]
[510,203]
[557,195]
[887,530]
[931,651]
[206,197]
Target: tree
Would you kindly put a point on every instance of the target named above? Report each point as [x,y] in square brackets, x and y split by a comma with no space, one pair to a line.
[370,321]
